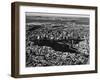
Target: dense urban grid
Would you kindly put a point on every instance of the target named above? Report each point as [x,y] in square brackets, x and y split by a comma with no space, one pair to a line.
[57,42]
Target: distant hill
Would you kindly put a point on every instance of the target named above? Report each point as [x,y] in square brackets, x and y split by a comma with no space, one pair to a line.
[42,19]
